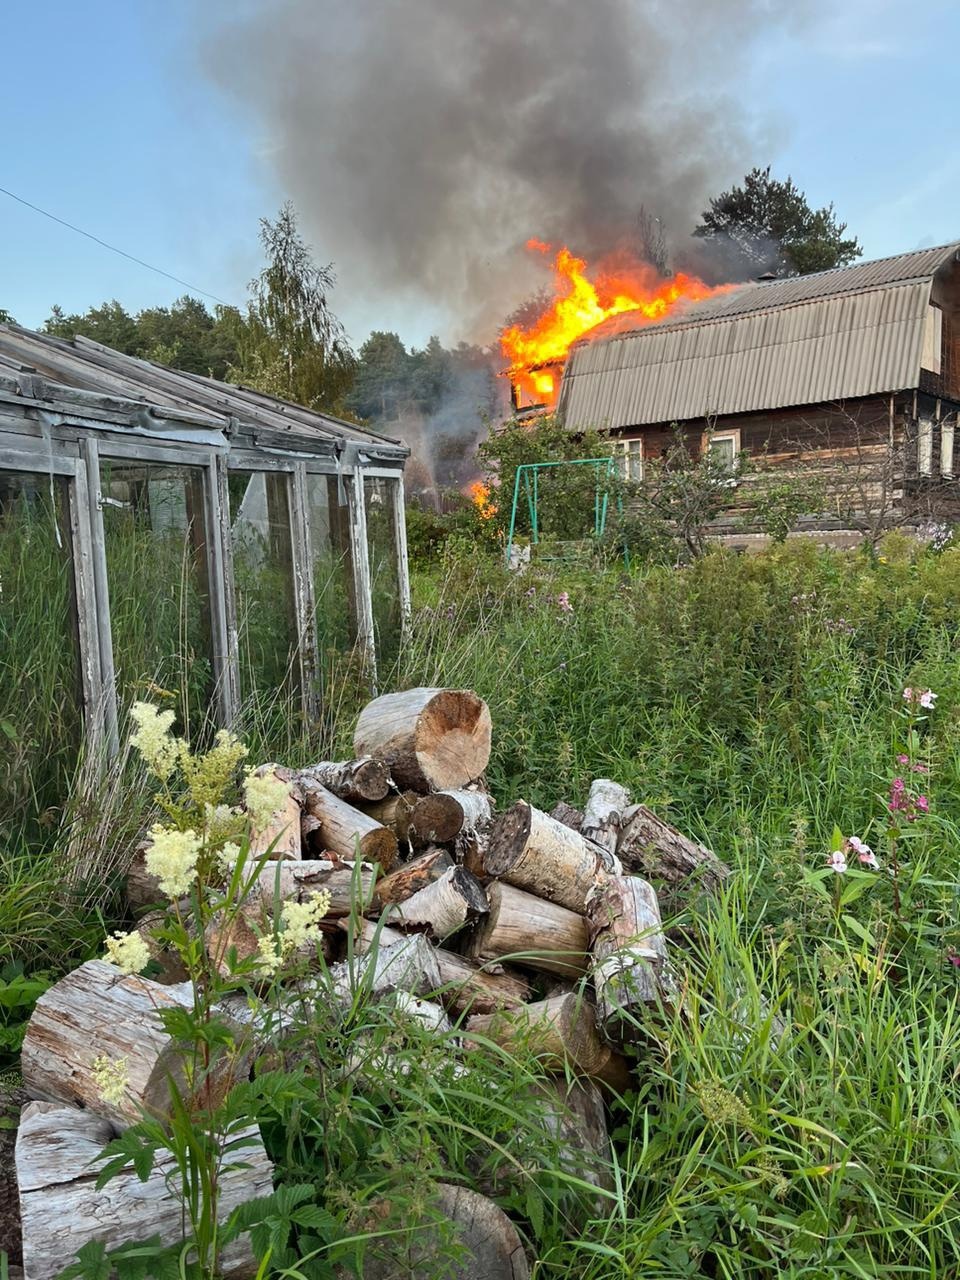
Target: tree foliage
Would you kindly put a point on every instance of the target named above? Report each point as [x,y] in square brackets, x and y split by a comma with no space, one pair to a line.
[768,225]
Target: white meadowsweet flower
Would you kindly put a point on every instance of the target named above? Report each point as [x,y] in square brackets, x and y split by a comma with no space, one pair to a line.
[265,795]
[152,738]
[301,921]
[128,951]
[227,858]
[111,1078]
[172,859]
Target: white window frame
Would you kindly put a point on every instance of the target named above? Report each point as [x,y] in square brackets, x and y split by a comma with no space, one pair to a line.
[631,455]
[733,435]
[932,339]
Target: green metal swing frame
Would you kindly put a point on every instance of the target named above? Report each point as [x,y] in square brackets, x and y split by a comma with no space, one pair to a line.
[528,475]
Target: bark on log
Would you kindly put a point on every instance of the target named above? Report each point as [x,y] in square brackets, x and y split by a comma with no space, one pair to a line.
[413,876]
[562,1032]
[444,815]
[409,965]
[678,867]
[575,1115]
[281,835]
[629,954]
[568,815]
[444,906]
[94,1012]
[603,816]
[356,781]
[394,812]
[533,851]
[57,1147]
[537,934]
[431,739]
[489,1246]
[348,832]
[463,984]
[349,885]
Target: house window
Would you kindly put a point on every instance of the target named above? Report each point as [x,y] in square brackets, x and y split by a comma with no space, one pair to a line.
[925,447]
[725,445]
[932,339]
[946,448]
[631,459]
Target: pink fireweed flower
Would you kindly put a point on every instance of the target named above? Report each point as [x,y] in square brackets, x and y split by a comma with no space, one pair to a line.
[563,600]
[902,759]
[923,804]
[837,862]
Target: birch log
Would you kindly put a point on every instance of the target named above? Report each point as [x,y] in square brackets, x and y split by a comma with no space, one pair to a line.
[413,876]
[61,1209]
[442,816]
[533,851]
[561,1031]
[603,817]
[356,781]
[394,812]
[350,885]
[409,965]
[568,815]
[96,1012]
[281,836]
[444,906]
[629,953]
[431,739]
[489,1246]
[348,832]
[537,934]
[679,867]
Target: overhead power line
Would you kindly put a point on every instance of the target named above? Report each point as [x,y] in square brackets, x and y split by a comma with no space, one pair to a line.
[113,248]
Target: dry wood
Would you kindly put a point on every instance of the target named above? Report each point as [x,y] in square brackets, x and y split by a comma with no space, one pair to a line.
[568,815]
[348,832]
[431,739]
[281,836]
[444,906]
[445,815]
[678,867]
[97,1012]
[349,885]
[357,781]
[574,1114]
[413,876]
[533,851]
[535,933]
[394,812]
[57,1149]
[629,954]
[464,984]
[408,965]
[603,816]
[490,1248]
[561,1031]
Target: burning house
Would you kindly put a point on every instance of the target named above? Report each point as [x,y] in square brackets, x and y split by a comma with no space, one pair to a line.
[849,376]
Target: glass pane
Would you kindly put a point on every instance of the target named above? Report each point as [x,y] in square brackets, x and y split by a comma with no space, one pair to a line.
[157,579]
[380,498]
[40,703]
[263,581]
[332,568]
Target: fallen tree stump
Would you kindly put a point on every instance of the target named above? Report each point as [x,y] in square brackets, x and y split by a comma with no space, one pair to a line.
[532,932]
[348,832]
[431,739]
[533,851]
[61,1209]
[659,852]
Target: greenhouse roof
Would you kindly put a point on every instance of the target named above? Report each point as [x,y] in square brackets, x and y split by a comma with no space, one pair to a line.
[86,375]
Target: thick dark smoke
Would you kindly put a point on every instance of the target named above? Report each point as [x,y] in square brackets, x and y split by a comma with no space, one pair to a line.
[423,141]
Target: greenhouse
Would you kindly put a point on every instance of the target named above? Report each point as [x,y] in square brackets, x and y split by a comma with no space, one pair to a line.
[167,536]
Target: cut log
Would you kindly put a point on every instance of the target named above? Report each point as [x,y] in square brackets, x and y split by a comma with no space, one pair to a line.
[629,954]
[533,851]
[395,812]
[281,836]
[444,906]
[413,876]
[561,1031]
[575,1115]
[537,934]
[349,885]
[61,1209]
[603,817]
[443,816]
[568,815]
[463,984]
[486,1242]
[678,867]
[409,965]
[97,1012]
[356,781]
[431,739]
[348,832]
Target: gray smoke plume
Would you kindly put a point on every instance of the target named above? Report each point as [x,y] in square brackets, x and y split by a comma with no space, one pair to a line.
[424,141]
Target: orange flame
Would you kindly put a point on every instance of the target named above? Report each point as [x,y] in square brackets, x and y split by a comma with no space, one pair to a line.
[580,304]
[479,494]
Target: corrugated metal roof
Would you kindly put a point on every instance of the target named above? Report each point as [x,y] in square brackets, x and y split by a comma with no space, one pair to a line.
[89,366]
[804,340]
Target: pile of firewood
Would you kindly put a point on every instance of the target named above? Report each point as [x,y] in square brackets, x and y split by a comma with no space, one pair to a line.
[524,925]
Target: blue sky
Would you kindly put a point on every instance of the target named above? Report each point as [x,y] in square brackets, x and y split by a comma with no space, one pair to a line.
[113,124]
